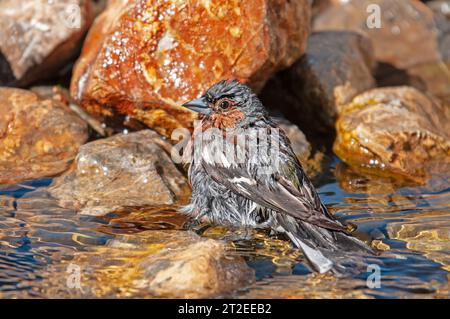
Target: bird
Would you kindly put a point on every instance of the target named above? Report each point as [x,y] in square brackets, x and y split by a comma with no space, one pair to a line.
[258,189]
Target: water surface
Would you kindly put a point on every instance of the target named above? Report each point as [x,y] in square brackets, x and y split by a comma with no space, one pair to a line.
[40,243]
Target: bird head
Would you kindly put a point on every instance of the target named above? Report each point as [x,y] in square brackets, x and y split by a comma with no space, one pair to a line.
[228,104]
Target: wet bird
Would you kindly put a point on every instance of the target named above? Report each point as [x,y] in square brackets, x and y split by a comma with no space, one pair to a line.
[259,190]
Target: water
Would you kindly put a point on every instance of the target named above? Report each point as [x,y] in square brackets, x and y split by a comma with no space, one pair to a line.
[40,243]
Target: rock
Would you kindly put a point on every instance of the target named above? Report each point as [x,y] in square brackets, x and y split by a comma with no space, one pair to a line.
[136,265]
[432,78]
[441,10]
[126,170]
[38,137]
[38,37]
[337,66]
[146,60]
[406,35]
[394,131]
[198,270]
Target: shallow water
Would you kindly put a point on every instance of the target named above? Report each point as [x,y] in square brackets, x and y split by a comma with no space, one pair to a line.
[41,243]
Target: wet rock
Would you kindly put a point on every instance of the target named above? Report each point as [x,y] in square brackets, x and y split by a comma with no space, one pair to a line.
[394,131]
[145,59]
[198,270]
[156,263]
[337,66]
[406,34]
[126,170]
[39,37]
[38,137]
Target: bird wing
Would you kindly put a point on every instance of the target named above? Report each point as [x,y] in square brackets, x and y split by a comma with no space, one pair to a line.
[276,191]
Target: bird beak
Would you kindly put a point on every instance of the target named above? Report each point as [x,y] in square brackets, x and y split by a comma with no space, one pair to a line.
[198,105]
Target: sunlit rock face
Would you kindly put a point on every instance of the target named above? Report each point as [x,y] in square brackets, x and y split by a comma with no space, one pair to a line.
[126,170]
[405,36]
[394,130]
[38,137]
[337,66]
[38,37]
[197,268]
[145,58]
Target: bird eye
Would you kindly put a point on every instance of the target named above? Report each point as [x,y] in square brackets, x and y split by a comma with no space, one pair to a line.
[224,104]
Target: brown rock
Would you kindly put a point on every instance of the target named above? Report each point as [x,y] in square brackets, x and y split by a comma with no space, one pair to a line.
[38,137]
[136,266]
[38,37]
[146,60]
[394,131]
[126,170]
[407,35]
[432,78]
[199,270]
[337,66]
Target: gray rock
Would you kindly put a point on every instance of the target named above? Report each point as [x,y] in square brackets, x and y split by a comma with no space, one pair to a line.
[39,37]
[337,66]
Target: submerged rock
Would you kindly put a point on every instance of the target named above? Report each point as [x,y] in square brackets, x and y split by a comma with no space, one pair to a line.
[145,59]
[394,130]
[38,37]
[126,170]
[38,137]
[336,67]
[405,36]
[156,263]
[429,235]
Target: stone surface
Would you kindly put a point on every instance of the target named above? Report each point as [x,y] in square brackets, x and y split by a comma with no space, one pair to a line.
[407,35]
[337,66]
[394,130]
[197,270]
[38,137]
[153,264]
[146,60]
[441,10]
[38,37]
[126,170]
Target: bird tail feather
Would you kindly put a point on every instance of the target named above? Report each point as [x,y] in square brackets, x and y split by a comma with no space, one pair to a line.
[326,249]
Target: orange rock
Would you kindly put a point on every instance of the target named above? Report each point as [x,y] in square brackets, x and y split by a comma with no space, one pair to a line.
[146,58]
[38,137]
[394,131]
